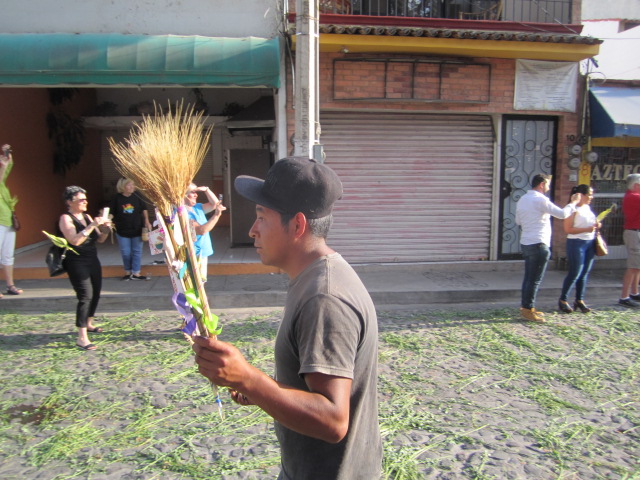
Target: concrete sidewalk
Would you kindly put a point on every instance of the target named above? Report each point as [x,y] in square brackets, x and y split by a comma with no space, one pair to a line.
[389,285]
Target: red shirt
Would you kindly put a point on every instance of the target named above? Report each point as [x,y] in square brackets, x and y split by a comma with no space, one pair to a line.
[631,210]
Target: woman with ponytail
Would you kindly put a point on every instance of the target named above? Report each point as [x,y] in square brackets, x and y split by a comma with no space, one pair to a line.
[581,229]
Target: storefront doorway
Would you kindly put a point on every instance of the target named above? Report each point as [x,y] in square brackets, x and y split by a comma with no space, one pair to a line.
[528,148]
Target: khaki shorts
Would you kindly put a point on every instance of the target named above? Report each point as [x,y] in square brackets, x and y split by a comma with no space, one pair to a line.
[632,242]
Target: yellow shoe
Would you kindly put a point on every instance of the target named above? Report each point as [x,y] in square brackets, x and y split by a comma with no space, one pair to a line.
[538,312]
[531,315]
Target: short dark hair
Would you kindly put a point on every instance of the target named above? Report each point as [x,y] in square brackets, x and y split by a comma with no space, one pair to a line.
[71,192]
[319,227]
[540,178]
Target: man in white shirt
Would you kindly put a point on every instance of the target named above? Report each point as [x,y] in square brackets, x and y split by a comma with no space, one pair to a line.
[533,214]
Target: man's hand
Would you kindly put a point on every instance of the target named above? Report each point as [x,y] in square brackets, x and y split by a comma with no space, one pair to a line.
[322,412]
[222,363]
[240,398]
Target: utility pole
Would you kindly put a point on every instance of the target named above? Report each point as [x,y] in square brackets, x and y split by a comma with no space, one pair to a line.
[307,121]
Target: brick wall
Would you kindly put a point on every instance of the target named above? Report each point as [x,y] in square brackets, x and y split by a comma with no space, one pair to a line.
[367,79]
[462,83]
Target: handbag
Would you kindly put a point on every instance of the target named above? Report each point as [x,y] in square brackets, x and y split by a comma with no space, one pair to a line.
[15,223]
[601,245]
[54,260]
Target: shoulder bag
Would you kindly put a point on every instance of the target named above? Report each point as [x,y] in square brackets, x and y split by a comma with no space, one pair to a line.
[54,259]
[601,245]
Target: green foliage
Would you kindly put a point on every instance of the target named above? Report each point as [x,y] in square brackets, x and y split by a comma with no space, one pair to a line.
[60,242]
[454,387]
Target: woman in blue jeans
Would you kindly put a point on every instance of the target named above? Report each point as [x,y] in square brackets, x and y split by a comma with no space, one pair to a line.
[581,231]
[130,216]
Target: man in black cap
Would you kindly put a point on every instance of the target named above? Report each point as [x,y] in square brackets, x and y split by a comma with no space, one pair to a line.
[324,395]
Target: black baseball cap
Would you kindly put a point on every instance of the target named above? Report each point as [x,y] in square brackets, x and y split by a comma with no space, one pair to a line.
[294,184]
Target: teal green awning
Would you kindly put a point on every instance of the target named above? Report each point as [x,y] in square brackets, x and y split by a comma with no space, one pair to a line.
[116,59]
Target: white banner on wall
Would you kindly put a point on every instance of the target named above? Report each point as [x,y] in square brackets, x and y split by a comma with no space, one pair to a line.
[546,86]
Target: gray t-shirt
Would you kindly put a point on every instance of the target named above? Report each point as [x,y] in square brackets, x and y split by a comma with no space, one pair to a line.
[330,327]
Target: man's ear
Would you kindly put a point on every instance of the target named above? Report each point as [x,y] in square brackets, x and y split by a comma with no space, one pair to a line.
[299,224]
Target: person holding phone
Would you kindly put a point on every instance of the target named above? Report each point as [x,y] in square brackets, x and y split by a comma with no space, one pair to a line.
[84,269]
[7,227]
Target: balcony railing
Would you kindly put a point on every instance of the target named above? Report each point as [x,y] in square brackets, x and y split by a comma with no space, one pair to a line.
[540,11]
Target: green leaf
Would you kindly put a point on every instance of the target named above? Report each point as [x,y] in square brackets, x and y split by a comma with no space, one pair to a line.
[60,242]
[211,323]
[193,300]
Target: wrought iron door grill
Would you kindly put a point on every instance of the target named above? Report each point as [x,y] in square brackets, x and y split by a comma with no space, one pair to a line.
[529,145]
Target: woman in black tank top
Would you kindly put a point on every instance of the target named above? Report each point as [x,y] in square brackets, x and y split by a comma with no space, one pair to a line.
[84,270]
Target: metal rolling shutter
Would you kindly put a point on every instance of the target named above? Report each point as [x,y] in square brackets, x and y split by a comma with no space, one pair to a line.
[417,188]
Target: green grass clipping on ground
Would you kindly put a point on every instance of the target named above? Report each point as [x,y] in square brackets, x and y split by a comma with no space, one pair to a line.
[470,395]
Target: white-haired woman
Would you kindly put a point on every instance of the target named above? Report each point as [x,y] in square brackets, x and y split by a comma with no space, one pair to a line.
[130,215]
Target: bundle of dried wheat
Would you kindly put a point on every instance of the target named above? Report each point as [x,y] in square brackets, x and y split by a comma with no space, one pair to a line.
[162,156]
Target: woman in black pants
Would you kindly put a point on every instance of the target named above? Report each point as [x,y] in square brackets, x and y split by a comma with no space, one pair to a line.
[84,270]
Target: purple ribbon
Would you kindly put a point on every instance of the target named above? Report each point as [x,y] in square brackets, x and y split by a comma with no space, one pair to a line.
[184,309]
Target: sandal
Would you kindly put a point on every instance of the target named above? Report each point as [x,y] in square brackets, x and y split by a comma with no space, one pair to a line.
[13,290]
[95,330]
[87,348]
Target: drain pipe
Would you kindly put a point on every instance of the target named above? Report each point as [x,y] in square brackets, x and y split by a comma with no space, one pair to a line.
[306,87]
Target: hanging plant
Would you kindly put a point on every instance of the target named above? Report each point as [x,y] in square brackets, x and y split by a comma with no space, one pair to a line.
[58,95]
[66,132]
[200,105]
